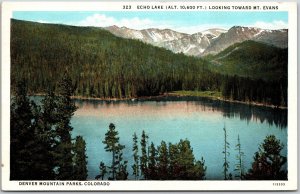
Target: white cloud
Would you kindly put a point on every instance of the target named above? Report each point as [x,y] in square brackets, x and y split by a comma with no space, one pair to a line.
[136,23]
[44,21]
[101,20]
[275,25]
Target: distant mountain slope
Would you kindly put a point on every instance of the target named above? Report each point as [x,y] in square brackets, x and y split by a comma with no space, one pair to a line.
[152,35]
[252,59]
[278,38]
[211,41]
[177,42]
[194,44]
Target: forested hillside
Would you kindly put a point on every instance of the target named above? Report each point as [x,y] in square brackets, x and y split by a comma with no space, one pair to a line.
[252,59]
[103,65]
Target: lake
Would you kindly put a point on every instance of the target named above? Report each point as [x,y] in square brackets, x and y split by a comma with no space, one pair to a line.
[199,120]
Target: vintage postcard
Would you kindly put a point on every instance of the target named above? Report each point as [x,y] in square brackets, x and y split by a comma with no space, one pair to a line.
[148,96]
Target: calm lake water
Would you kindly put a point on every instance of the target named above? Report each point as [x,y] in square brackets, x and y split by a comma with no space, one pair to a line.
[199,120]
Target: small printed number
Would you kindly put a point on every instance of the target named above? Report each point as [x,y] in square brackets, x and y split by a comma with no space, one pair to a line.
[278,184]
[126,6]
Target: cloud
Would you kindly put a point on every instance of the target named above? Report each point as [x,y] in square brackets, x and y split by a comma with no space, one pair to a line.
[101,20]
[274,25]
[44,21]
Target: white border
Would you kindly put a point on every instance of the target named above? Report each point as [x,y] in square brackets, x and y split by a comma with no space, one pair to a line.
[291,184]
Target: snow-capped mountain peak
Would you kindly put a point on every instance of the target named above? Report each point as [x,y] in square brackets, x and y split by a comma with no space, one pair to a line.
[237,34]
[210,41]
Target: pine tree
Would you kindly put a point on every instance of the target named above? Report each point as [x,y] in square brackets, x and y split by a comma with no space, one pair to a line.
[30,148]
[135,149]
[41,147]
[163,161]
[200,170]
[187,168]
[152,166]
[121,173]
[144,157]
[50,115]
[185,159]
[42,152]
[21,132]
[65,108]
[112,145]
[226,153]
[268,162]
[49,119]
[103,171]
[239,167]
[174,168]
[80,162]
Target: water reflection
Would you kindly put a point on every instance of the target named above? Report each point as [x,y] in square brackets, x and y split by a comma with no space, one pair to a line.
[273,116]
[170,119]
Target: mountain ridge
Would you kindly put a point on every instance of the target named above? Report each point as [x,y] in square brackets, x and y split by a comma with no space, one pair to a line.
[177,42]
[210,41]
[238,34]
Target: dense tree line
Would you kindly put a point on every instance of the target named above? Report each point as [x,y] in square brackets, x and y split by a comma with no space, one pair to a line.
[106,66]
[173,162]
[41,145]
[249,90]
[177,161]
[164,162]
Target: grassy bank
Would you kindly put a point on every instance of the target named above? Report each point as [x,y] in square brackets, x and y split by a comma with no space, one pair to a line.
[209,94]
[215,95]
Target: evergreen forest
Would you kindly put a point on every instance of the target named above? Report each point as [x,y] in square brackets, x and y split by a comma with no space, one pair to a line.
[105,66]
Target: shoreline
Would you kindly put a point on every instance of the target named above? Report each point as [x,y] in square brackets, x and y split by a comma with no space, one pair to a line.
[233,101]
[173,95]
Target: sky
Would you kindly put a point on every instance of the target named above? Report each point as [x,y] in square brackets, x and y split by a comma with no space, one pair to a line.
[184,21]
